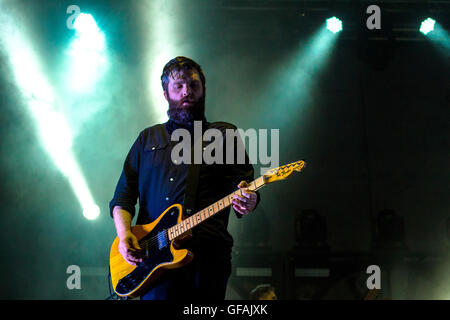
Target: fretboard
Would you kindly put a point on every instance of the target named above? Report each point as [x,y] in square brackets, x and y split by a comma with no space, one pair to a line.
[197,218]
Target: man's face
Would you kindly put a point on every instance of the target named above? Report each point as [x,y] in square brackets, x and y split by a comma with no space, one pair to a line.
[186,97]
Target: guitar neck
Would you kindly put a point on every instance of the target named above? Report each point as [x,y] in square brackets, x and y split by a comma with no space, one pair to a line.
[197,218]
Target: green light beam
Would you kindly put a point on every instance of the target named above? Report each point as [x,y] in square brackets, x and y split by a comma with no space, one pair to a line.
[53,130]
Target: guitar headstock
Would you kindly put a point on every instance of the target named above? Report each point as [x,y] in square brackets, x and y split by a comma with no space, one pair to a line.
[283,172]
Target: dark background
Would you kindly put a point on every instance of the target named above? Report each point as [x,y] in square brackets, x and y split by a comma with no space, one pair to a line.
[372,121]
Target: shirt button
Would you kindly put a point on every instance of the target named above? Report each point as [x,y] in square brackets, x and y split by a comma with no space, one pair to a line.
[153,148]
[167,198]
[171,179]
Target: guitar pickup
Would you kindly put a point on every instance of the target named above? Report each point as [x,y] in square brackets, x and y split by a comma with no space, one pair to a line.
[162,239]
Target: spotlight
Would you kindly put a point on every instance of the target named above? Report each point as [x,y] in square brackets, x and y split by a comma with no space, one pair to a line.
[334,24]
[91,212]
[85,23]
[37,92]
[88,54]
[427,26]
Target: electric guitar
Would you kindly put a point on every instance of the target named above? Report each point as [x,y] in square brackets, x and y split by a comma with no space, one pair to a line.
[161,239]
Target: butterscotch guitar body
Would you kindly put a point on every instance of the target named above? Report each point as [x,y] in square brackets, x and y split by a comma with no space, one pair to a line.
[160,255]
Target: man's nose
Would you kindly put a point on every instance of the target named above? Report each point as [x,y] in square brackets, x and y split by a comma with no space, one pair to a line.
[186,91]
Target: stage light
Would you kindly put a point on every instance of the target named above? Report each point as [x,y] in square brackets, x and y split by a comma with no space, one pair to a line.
[87,54]
[91,212]
[435,33]
[334,24]
[427,26]
[85,24]
[299,71]
[44,106]
[166,39]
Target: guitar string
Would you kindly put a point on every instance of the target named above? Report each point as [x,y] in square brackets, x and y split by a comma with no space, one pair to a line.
[155,240]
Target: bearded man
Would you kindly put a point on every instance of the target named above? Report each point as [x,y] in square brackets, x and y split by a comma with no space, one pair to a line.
[150,175]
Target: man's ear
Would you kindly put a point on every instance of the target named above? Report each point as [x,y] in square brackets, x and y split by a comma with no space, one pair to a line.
[165,95]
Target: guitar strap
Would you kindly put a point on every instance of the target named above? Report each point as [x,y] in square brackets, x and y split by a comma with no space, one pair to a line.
[190,196]
[192,178]
[191,188]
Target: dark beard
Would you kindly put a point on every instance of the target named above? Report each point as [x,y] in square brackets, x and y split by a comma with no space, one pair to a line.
[186,115]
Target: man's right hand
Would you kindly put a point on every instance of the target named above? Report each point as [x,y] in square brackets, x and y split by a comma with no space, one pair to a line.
[129,248]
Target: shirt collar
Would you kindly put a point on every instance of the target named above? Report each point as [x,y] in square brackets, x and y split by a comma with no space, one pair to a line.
[171,126]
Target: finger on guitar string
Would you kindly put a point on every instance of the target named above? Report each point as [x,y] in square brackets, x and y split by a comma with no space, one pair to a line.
[248,193]
[237,202]
[242,184]
[239,209]
[239,205]
[241,199]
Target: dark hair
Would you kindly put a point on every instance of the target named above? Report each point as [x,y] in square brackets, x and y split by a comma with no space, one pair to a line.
[260,290]
[180,64]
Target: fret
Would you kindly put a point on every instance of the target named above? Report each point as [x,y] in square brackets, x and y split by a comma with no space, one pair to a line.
[193,220]
[202,214]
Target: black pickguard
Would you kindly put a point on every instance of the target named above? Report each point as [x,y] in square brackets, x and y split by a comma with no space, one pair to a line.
[158,253]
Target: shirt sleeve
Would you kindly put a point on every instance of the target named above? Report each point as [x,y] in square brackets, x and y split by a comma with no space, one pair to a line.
[127,189]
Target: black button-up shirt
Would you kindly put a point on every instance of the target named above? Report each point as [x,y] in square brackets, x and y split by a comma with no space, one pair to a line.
[150,175]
